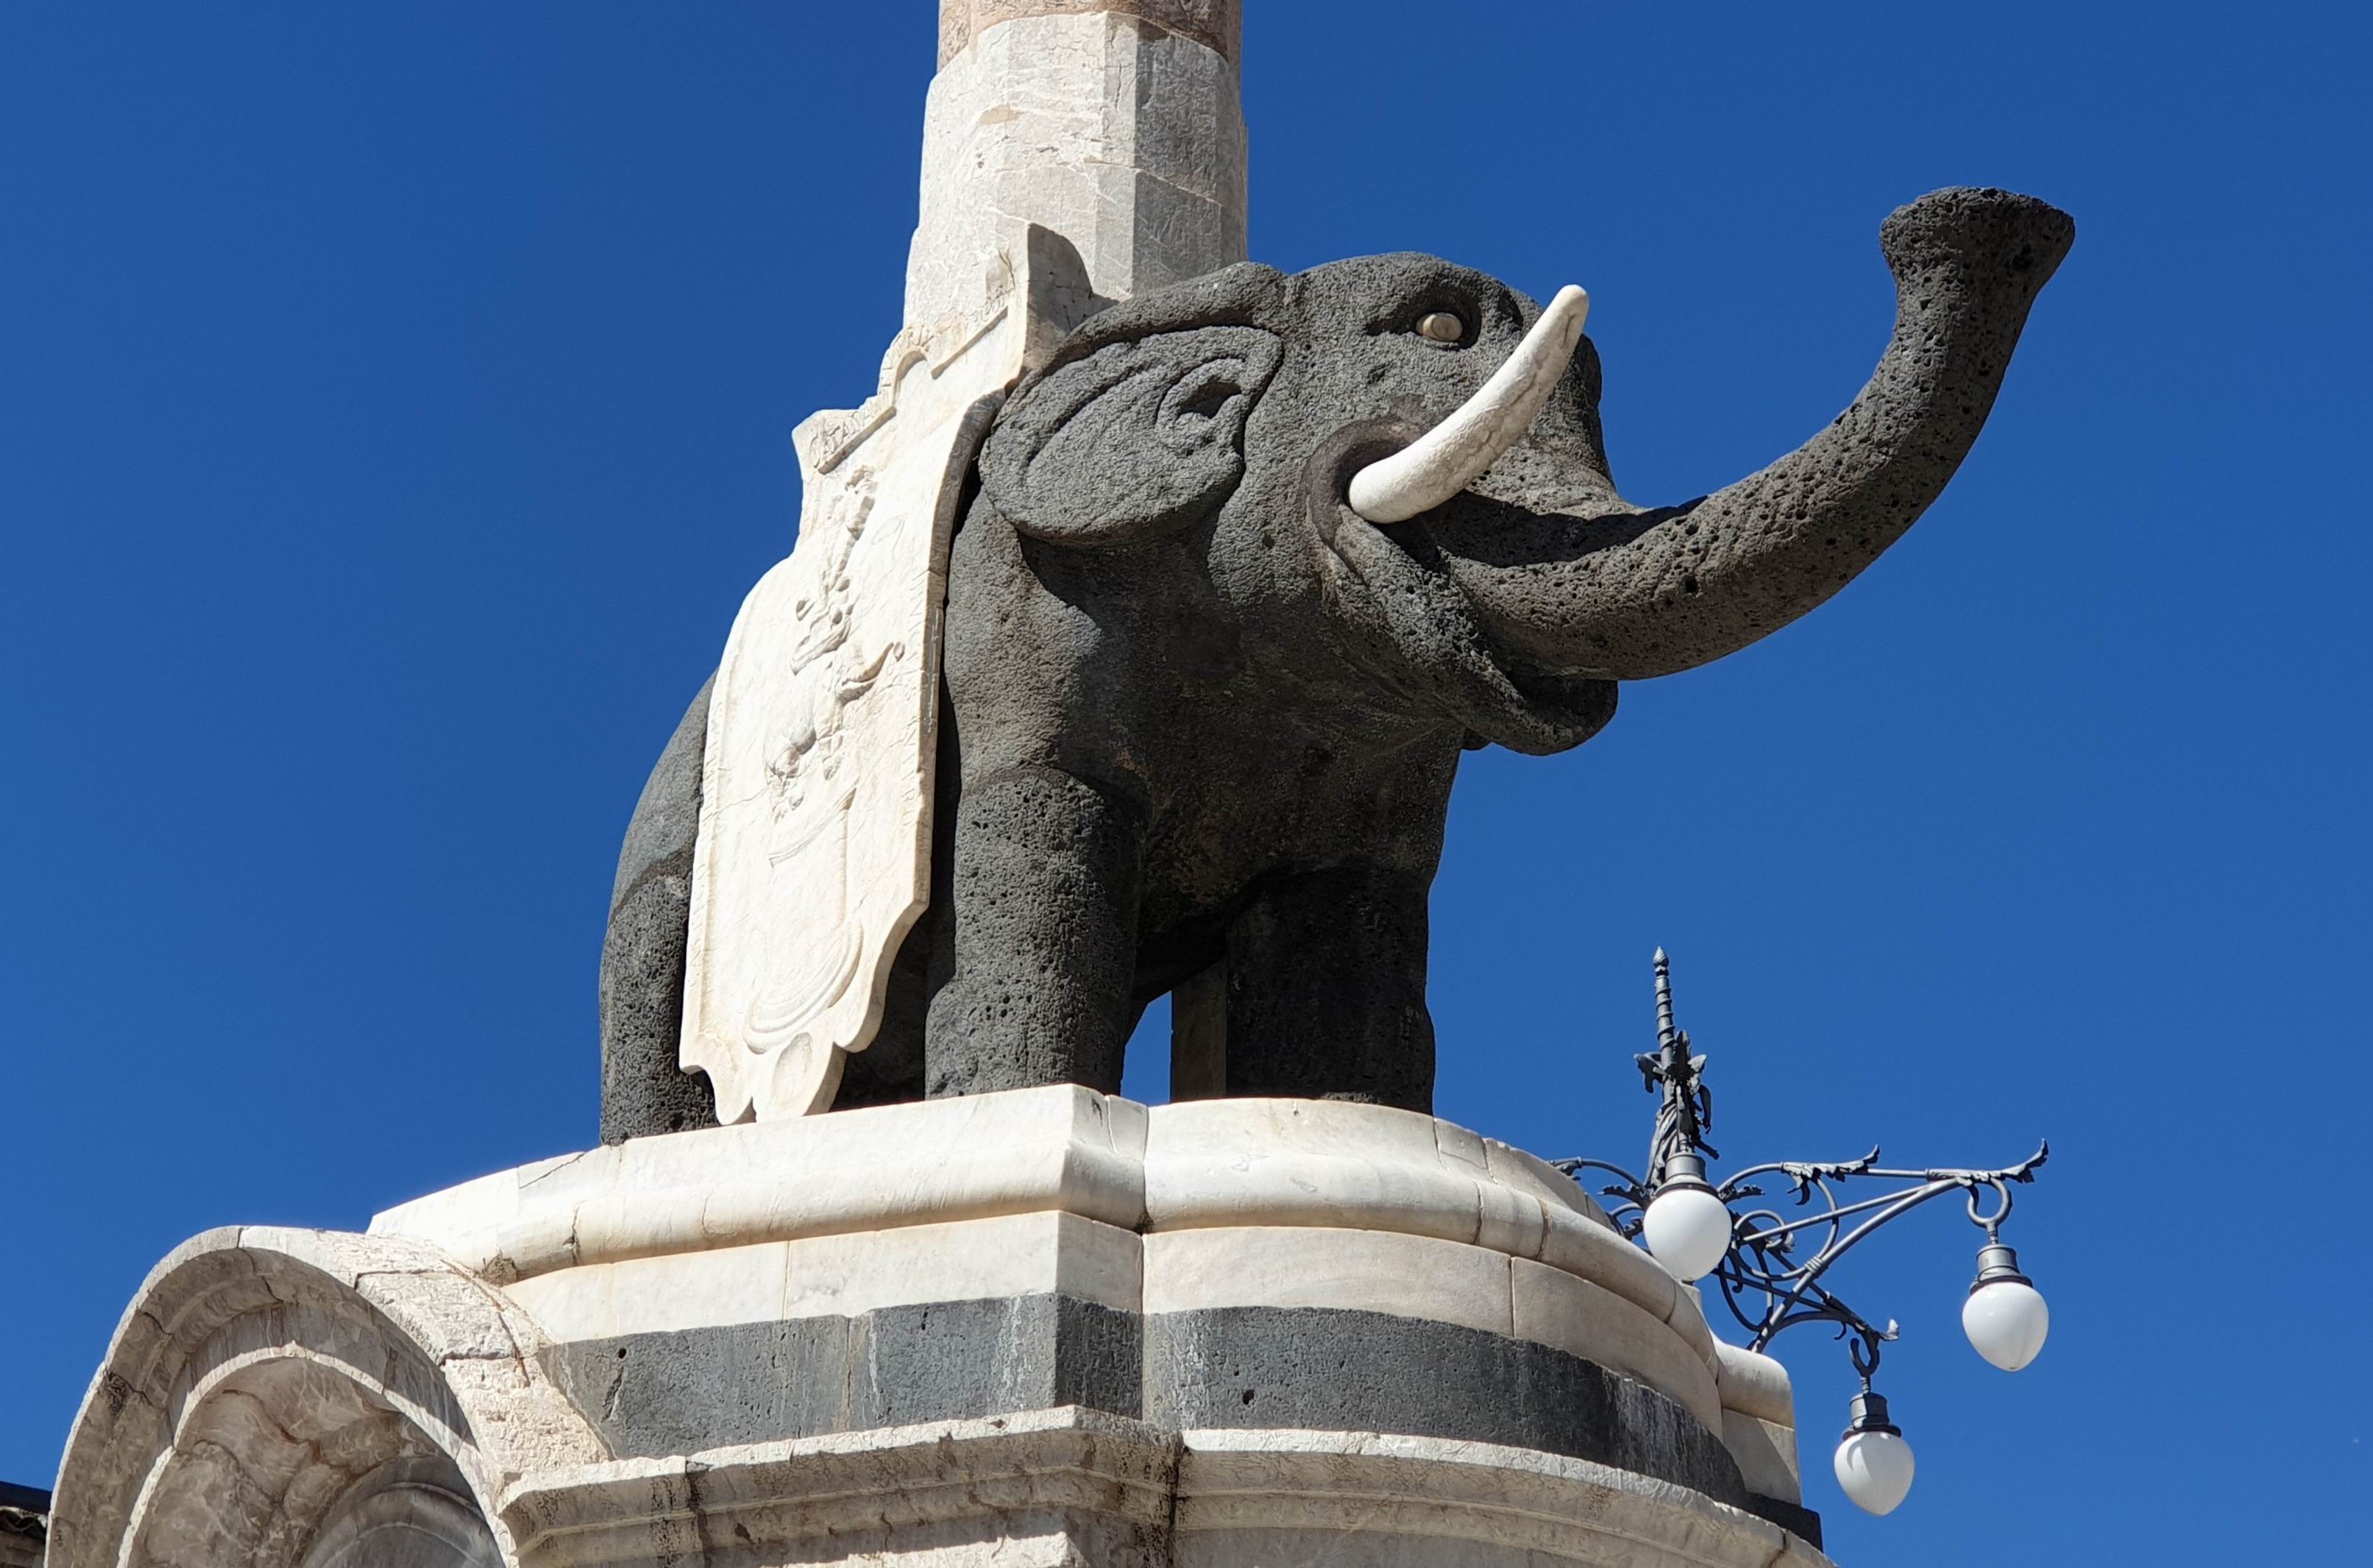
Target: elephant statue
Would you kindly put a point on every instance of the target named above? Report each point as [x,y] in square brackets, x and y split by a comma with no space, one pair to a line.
[1244,568]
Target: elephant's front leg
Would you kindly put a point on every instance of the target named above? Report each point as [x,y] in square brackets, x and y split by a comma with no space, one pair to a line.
[1327,991]
[1045,903]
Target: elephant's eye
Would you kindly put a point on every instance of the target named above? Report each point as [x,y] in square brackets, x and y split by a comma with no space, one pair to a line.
[1441,326]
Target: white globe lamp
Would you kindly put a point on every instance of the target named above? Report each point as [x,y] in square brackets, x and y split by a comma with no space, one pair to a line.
[2004,1316]
[1687,1226]
[1872,1463]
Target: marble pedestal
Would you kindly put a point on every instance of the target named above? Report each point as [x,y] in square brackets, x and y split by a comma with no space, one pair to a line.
[1048,1325]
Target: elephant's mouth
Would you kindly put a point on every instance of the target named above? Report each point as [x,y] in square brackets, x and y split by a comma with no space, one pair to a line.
[1414,628]
[1326,479]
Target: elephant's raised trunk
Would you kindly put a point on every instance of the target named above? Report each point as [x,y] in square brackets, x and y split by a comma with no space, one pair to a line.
[1630,594]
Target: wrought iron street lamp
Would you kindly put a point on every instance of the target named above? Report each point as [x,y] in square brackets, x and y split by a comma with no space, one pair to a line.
[1769,1267]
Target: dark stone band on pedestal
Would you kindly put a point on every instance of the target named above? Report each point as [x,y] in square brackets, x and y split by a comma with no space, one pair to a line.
[685,1390]
[1235,1368]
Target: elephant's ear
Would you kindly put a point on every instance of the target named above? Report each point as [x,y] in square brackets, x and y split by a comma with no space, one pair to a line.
[1133,441]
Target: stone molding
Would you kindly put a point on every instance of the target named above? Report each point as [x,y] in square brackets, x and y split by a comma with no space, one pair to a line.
[1201,1164]
[862,1489]
[263,1377]
[1217,25]
[1208,1163]
[1072,1486]
[1062,1148]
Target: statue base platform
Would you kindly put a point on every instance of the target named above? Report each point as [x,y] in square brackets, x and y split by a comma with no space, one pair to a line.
[1048,1326]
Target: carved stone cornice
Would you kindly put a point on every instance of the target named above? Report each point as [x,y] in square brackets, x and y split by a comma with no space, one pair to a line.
[1217,25]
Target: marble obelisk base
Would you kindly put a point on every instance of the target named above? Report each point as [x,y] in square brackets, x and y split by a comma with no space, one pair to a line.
[1048,1326]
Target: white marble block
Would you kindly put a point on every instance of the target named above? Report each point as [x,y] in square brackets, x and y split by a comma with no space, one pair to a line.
[1115,125]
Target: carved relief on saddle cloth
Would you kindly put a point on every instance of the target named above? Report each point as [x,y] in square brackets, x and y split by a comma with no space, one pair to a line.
[809,783]
[813,856]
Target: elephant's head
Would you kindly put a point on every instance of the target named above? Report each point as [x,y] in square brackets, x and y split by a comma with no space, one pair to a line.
[1404,458]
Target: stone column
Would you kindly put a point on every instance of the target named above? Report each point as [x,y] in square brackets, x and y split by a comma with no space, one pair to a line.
[1114,123]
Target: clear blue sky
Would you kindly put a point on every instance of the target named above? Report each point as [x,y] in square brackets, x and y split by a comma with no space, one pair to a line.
[394,406]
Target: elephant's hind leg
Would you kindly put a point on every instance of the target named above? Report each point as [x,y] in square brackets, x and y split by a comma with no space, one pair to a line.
[1045,902]
[643,1090]
[1327,991]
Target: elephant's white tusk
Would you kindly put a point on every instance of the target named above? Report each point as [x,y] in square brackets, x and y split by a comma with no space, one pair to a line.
[1455,453]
